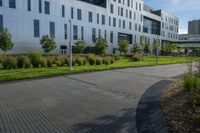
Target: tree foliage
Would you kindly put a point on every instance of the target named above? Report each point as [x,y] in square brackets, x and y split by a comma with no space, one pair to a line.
[146,49]
[100,46]
[5,41]
[80,46]
[137,48]
[123,46]
[168,48]
[48,44]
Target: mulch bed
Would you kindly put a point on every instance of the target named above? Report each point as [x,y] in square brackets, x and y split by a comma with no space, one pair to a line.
[176,110]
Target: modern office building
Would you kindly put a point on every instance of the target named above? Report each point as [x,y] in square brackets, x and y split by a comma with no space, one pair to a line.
[28,20]
[194,27]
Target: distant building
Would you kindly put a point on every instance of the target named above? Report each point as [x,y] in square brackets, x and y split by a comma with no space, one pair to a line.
[194,27]
[192,39]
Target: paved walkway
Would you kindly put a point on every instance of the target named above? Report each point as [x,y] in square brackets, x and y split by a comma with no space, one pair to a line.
[99,102]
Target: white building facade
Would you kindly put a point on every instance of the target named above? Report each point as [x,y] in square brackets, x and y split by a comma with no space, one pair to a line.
[28,20]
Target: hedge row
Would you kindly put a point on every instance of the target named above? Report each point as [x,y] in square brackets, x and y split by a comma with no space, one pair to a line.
[36,60]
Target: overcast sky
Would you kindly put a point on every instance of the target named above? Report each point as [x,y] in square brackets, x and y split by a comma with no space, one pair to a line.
[185,10]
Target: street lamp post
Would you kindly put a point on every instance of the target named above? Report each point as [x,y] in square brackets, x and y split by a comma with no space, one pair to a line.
[70,47]
[157,52]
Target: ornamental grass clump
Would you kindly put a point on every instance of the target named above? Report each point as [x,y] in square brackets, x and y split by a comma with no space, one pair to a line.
[35,59]
[92,60]
[99,61]
[10,63]
[23,62]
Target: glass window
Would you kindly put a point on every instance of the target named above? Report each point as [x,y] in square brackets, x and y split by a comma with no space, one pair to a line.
[103,20]
[99,33]
[52,29]
[114,22]
[1,3]
[36,28]
[90,16]
[82,33]
[120,23]
[130,14]
[122,11]
[72,13]
[47,7]
[111,8]
[105,34]
[124,24]
[136,6]
[109,21]
[130,25]
[79,14]
[111,37]
[65,31]
[1,22]
[12,3]
[128,3]
[40,6]
[29,5]
[75,32]
[93,34]
[97,18]
[63,10]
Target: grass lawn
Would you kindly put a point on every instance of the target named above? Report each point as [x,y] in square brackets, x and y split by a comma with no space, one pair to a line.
[17,74]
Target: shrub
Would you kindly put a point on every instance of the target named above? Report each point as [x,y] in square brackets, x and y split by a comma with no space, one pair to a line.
[1,59]
[136,57]
[190,82]
[79,61]
[116,57]
[49,61]
[23,61]
[91,60]
[99,61]
[84,61]
[112,60]
[67,60]
[62,60]
[10,63]
[107,60]
[35,59]
[43,62]
[196,119]
[58,63]
[27,63]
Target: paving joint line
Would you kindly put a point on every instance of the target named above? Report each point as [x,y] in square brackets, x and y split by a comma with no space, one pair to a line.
[82,81]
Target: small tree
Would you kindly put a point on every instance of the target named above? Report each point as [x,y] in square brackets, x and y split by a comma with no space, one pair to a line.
[146,49]
[48,44]
[5,41]
[155,47]
[136,48]
[173,47]
[100,46]
[186,50]
[123,46]
[80,46]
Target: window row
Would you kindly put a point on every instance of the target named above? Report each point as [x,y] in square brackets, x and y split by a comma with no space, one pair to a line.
[75,33]
[12,4]
[138,6]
